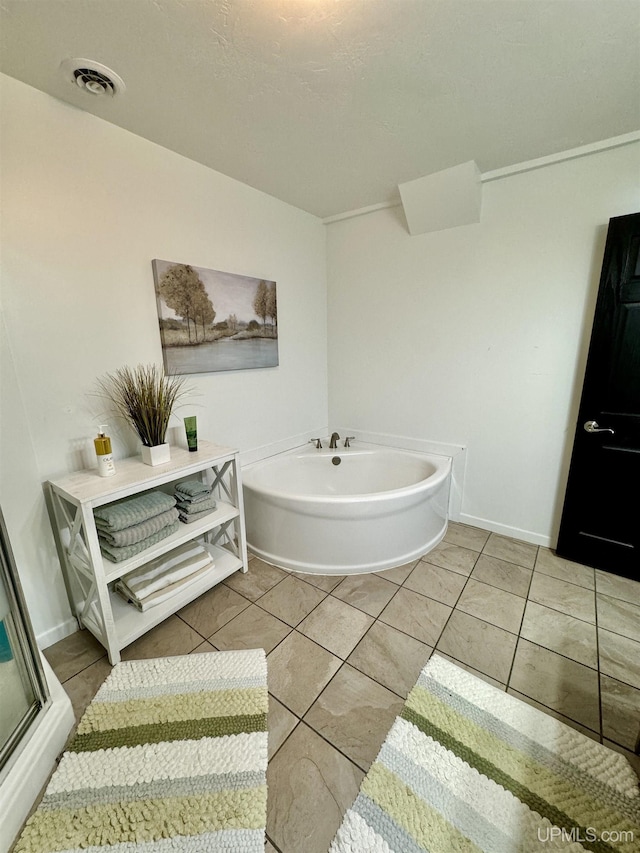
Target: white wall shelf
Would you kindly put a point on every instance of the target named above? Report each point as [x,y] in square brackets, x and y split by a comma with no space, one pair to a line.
[90,577]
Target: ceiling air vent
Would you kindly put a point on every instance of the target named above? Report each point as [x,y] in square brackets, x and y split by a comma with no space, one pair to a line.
[92,77]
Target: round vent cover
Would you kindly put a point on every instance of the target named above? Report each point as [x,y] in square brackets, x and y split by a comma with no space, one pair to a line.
[92,77]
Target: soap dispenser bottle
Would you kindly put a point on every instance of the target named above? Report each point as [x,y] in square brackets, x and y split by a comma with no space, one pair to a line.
[102,443]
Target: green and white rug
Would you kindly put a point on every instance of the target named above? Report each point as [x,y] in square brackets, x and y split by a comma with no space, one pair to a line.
[171,755]
[466,767]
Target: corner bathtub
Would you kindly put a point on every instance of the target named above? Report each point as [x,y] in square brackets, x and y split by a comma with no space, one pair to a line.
[332,512]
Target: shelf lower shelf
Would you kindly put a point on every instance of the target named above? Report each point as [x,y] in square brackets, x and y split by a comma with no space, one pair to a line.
[130,623]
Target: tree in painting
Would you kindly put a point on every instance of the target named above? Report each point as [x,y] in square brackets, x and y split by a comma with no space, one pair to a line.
[271,305]
[183,291]
[260,301]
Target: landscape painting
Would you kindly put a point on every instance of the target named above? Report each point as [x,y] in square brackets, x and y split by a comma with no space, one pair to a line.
[212,320]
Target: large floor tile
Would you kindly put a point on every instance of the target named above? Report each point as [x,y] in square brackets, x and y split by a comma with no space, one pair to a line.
[260,578]
[561,633]
[251,629]
[620,713]
[438,583]
[494,605]
[504,575]
[215,608]
[619,657]
[618,587]
[205,647]
[511,550]
[453,557]
[416,615]
[324,582]
[74,653]
[398,574]
[81,688]
[390,657]
[298,671]
[563,596]
[171,637]
[482,646]
[336,625]
[291,600]
[354,713]
[557,682]
[281,723]
[549,563]
[366,592]
[311,785]
[465,536]
[618,616]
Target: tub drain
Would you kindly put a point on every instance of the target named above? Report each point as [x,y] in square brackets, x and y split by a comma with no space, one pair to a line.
[336,460]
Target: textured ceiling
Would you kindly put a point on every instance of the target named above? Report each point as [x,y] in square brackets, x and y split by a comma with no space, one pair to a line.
[330,104]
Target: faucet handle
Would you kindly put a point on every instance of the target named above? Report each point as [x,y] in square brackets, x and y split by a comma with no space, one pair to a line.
[348,440]
[317,443]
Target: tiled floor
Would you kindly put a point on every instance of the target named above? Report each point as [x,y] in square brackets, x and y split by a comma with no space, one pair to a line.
[343,653]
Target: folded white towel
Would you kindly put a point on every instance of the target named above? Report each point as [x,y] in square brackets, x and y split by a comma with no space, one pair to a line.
[163,594]
[167,569]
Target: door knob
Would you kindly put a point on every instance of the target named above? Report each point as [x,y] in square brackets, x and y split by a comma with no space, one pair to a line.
[592,426]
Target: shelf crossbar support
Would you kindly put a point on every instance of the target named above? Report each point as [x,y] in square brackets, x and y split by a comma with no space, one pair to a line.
[219,481]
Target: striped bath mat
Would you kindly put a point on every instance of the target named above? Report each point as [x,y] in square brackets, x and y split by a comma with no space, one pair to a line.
[171,755]
[467,767]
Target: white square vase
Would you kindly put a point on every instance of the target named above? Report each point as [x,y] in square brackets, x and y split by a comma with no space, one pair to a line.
[157,455]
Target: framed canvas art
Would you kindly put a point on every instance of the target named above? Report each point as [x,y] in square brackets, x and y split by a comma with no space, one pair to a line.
[212,320]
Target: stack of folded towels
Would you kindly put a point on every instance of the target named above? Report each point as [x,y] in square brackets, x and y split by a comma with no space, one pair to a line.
[194,500]
[163,577]
[126,528]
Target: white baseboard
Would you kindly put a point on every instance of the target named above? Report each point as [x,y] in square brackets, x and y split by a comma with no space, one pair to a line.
[505,530]
[58,632]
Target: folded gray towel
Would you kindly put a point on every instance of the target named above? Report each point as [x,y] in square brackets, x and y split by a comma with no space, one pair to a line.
[193,488]
[188,517]
[181,497]
[117,555]
[190,507]
[132,511]
[138,532]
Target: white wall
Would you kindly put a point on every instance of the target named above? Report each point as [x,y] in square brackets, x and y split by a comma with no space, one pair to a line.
[86,206]
[478,335]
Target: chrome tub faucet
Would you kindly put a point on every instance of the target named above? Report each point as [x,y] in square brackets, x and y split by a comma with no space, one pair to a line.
[333,444]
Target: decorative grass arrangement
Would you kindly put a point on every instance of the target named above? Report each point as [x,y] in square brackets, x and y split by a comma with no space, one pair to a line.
[145,397]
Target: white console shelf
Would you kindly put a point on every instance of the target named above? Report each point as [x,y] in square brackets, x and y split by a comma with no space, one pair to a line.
[90,577]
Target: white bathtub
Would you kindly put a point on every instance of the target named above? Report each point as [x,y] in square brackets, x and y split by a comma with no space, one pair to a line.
[360,509]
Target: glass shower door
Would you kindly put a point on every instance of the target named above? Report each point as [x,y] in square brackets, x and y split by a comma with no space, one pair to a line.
[23,689]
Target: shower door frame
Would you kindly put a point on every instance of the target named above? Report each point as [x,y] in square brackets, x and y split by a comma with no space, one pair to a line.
[23,641]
